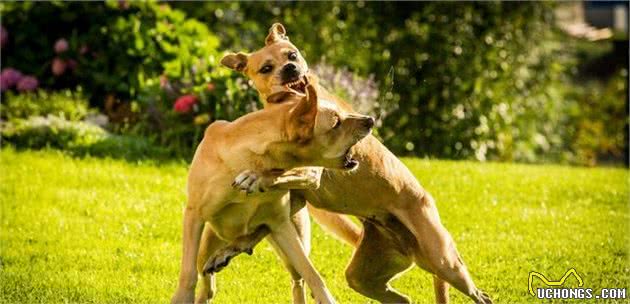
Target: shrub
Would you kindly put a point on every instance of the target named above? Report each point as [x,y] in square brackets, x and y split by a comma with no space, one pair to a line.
[134,59]
[51,131]
[598,133]
[487,81]
[62,120]
[66,104]
[78,138]
[362,93]
[469,80]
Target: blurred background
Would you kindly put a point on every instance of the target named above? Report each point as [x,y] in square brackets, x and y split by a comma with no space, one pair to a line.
[492,81]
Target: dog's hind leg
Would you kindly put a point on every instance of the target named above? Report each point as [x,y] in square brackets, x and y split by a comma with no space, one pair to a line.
[338,225]
[206,285]
[436,248]
[374,263]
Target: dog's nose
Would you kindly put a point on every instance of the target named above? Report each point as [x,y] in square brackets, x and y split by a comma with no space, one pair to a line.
[290,67]
[369,122]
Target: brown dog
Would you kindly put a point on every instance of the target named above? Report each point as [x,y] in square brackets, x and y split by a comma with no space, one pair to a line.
[400,218]
[262,146]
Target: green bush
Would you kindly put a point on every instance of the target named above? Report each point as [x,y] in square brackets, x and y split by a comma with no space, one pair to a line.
[142,54]
[60,120]
[488,80]
[598,133]
[50,131]
[362,93]
[77,138]
[67,104]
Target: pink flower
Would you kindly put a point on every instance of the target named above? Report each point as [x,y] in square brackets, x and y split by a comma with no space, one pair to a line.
[8,78]
[61,45]
[58,66]
[4,37]
[27,83]
[185,104]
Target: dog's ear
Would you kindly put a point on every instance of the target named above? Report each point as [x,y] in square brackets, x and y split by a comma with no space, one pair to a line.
[303,116]
[236,62]
[276,33]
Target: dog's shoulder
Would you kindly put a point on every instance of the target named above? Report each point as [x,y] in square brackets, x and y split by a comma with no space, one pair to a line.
[216,127]
[216,133]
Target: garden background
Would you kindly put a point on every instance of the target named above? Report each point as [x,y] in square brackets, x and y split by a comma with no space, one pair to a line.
[485,81]
[117,95]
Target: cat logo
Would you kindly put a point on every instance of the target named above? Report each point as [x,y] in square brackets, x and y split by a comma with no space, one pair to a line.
[553,283]
[554,289]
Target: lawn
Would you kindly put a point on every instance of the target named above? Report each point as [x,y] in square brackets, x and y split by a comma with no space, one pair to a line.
[107,231]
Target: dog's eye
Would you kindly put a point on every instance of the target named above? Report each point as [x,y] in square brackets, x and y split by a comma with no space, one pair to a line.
[337,123]
[293,56]
[266,69]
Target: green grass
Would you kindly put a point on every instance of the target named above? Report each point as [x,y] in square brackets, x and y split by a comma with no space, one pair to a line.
[108,231]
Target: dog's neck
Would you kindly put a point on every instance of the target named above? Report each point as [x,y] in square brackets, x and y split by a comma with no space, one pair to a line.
[262,148]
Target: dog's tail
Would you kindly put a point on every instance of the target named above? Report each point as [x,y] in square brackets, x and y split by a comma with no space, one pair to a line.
[339,225]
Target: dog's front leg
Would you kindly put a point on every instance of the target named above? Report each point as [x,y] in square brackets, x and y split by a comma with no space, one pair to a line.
[193,227]
[287,241]
[305,178]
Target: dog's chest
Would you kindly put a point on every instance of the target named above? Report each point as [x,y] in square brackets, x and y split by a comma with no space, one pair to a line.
[244,213]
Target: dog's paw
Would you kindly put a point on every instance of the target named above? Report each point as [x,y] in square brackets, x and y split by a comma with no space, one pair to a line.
[223,257]
[484,298]
[249,182]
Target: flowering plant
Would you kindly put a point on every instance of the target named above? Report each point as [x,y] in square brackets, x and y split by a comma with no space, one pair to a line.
[12,78]
[185,104]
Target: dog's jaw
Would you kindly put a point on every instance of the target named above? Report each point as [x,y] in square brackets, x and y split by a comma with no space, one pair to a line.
[297,84]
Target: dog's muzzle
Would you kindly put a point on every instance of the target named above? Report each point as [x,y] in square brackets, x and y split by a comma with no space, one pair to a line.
[291,78]
[290,72]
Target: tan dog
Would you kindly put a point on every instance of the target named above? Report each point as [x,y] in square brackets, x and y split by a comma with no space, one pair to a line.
[400,218]
[262,146]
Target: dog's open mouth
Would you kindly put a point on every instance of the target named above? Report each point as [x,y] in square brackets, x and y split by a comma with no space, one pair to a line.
[349,163]
[298,84]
